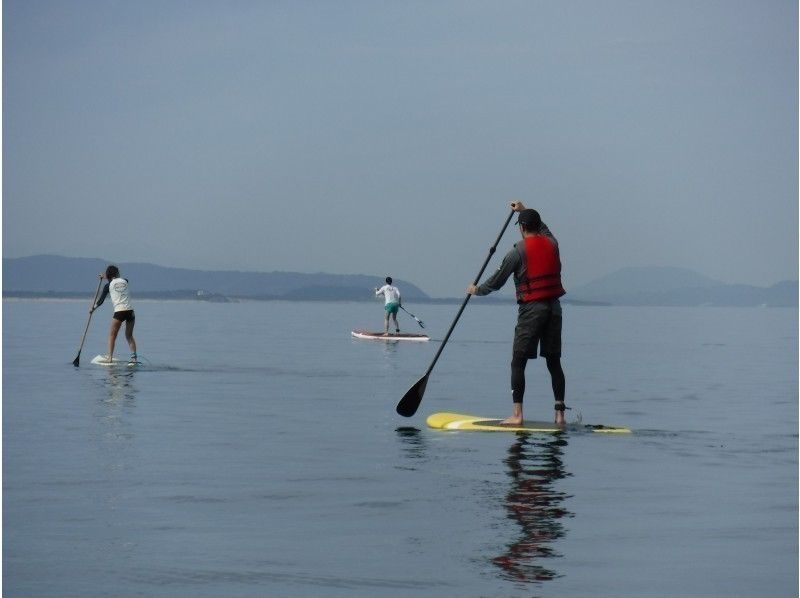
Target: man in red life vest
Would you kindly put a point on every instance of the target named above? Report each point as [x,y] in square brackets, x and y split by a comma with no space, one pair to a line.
[536,266]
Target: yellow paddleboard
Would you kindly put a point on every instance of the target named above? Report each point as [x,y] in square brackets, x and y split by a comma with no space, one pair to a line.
[459,421]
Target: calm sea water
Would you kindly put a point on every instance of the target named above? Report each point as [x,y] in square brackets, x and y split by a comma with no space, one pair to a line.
[259,454]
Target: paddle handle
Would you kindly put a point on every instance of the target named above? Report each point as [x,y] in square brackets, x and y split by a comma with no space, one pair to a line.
[410,402]
[85,330]
[492,249]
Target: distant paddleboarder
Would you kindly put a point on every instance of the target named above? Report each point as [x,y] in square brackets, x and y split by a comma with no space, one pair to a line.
[117,287]
[392,303]
[536,266]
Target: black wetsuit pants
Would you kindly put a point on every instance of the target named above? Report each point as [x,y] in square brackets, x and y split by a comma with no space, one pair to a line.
[538,330]
[518,363]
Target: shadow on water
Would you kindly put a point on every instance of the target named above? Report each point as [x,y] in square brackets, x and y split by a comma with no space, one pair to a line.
[535,504]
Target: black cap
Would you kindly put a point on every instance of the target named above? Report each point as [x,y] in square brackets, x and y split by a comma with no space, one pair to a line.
[529,219]
[388,280]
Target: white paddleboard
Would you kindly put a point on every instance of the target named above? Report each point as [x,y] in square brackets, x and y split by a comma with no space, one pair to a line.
[116,362]
[392,336]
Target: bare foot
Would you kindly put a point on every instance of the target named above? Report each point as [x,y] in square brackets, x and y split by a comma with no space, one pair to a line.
[560,419]
[512,421]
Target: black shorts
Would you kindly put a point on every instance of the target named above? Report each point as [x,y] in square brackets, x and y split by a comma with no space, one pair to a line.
[538,329]
[125,316]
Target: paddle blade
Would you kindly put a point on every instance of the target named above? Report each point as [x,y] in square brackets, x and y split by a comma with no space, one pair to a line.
[421,325]
[77,361]
[409,404]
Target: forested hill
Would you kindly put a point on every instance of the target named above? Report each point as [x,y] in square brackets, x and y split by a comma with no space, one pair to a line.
[58,275]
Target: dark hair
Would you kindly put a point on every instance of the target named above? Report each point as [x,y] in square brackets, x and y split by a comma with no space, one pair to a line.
[112,272]
[388,280]
[530,221]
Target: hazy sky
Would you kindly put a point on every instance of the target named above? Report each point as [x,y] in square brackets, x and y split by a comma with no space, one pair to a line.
[385,137]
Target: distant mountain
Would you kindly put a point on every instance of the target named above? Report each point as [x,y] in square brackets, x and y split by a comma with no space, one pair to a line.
[58,276]
[681,287]
[650,280]
[67,275]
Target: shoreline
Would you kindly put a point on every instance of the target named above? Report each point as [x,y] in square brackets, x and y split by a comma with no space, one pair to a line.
[221,299]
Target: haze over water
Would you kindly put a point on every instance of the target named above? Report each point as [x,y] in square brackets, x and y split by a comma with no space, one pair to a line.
[258,453]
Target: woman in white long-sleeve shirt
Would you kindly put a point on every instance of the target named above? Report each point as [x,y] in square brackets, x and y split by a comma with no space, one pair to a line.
[117,287]
[391,305]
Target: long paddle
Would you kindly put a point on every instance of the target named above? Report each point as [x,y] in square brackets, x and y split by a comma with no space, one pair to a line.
[77,361]
[421,325]
[409,404]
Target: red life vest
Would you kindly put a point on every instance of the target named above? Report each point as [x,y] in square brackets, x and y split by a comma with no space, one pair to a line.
[542,278]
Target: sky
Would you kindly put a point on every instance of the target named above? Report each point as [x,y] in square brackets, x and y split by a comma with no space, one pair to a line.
[388,138]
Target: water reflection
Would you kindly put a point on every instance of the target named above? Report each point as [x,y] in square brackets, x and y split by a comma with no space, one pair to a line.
[413,445]
[389,351]
[536,505]
[119,385]
[116,404]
